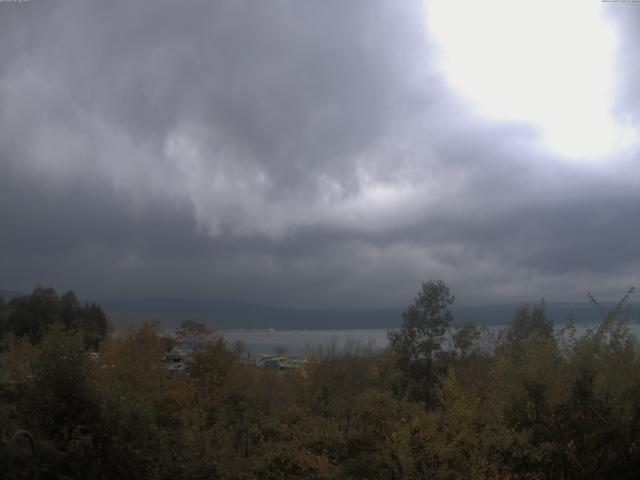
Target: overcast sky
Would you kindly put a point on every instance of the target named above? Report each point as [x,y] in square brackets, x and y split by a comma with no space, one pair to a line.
[320,153]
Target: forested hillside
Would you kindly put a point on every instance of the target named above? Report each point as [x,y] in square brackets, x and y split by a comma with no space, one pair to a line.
[530,403]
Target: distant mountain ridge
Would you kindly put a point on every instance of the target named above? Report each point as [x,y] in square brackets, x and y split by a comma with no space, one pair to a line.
[223,314]
[227,314]
[9,294]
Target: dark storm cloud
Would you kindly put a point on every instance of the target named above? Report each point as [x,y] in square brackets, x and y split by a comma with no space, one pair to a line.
[299,153]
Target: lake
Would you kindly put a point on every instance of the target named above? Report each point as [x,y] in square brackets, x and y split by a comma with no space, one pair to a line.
[297,342]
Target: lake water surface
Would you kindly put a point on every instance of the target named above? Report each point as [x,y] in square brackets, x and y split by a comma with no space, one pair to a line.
[298,342]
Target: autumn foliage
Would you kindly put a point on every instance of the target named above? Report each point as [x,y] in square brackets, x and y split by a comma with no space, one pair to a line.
[531,403]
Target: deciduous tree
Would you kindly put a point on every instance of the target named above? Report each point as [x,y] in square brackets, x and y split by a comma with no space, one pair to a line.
[419,340]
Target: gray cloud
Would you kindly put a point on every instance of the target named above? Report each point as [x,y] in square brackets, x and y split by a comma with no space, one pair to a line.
[283,152]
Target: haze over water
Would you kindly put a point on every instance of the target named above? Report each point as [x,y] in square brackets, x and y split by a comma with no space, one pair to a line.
[300,342]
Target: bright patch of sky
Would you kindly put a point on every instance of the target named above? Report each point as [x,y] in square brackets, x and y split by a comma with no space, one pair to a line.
[546,63]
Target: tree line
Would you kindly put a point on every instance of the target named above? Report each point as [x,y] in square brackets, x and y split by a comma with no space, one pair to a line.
[442,401]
